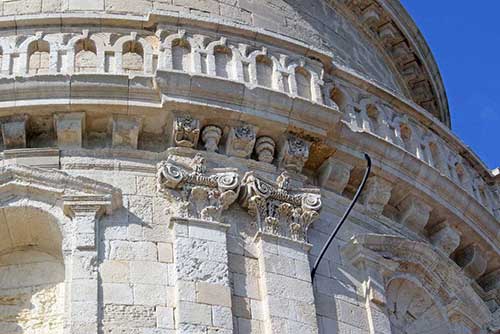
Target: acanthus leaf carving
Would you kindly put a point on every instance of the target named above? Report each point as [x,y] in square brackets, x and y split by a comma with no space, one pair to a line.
[204,196]
[277,209]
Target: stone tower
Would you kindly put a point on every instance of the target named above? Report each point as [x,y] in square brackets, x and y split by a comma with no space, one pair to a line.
[175,166]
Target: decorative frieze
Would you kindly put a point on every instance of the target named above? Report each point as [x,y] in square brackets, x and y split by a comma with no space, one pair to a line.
[202,195]
[264,148]
[14,133]
[186,132]
[211,136]
[294,154]
[277,209]
[240,141]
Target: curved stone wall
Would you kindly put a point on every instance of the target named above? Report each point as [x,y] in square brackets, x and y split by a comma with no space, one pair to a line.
[206,150]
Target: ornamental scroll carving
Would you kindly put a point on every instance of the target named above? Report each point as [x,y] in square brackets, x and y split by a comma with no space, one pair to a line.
[204,196]
[279,210]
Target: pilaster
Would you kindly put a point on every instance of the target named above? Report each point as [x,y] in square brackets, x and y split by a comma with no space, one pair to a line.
[83,270]
[283,217]
[203,291]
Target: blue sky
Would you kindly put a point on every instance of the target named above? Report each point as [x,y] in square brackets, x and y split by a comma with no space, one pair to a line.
[465,39]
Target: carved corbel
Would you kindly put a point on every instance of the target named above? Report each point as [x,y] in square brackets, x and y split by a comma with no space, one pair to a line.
[277,209]
[70,129]
[186,132]
[376,194]
[240,141]
[472,260]
[446,238]
[202,195]
[211,136]
[125,133]
[14,132]
[414,213]
[294,154]
[334,173]
[264,148]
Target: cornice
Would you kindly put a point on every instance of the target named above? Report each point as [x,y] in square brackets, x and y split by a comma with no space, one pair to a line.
[391,28]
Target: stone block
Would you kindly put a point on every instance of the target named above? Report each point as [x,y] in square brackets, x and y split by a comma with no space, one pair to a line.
[128,250]
[117,293]
[241,307]
[222,317]
[213,294]
[87,5]
[148,272]
[165,317]
[149,294]
[165,252]
[114,272]
[193,313]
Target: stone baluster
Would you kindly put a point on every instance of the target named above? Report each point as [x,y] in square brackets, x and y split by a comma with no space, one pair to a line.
[203,293]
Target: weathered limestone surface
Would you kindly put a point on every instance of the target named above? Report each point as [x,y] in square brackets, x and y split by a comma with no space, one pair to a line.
[174,166]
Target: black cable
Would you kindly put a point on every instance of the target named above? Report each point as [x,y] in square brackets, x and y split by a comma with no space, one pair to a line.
[346,214]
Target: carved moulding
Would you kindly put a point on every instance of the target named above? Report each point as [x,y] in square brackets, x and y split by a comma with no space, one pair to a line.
[279,210]
[202,195]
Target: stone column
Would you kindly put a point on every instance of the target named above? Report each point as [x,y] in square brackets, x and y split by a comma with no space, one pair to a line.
[203,292]
[83,271]
[283,217]
[286,287]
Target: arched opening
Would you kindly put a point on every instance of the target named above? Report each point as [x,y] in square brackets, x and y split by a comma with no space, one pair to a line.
[85,56]
[264,69]
[132,57]
[181,55]
[32,285]
[303,80]
[222,57]
[38,57]
[412,310]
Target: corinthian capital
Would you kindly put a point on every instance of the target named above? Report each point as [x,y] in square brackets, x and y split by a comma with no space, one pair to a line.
[277,209]
[202,195]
